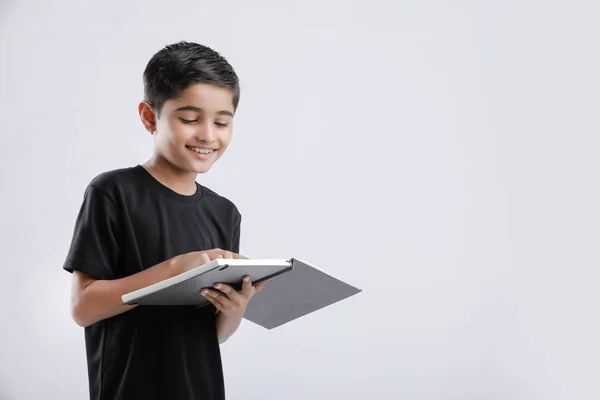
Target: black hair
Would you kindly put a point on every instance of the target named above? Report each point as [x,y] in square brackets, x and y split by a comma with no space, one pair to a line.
[177,66]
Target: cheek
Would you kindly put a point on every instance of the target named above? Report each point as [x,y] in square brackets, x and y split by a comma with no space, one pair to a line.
[177,134]
[174,131]
[224,139]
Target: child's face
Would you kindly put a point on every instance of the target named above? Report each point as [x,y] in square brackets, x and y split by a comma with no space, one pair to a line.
[194,130]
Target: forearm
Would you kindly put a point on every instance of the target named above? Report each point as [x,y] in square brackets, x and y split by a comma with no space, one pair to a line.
[101,299]
[227,325]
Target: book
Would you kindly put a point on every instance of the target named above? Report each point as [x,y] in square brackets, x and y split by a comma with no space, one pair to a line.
[294,288]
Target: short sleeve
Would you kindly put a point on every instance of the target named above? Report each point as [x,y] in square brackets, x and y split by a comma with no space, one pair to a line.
[235,237]
[94,248]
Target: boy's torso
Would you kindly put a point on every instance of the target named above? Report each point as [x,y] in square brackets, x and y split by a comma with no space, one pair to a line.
[159,352]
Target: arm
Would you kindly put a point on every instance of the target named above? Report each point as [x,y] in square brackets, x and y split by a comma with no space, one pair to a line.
[94,300]
[231,305]
[227,325]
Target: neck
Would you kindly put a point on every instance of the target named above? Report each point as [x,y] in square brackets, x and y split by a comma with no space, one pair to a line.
[179,181]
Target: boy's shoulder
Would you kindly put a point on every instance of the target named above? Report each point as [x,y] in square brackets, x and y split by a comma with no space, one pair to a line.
[218,199]
[111,180]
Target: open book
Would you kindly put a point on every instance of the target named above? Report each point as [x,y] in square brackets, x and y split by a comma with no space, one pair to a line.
[294,288]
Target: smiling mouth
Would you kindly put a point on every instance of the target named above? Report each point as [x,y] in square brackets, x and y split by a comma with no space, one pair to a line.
[201,150]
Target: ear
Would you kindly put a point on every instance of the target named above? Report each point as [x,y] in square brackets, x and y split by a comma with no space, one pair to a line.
[148,116]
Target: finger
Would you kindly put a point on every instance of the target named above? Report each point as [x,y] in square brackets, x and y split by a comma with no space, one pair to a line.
[234,298]
[214,253]
[214,301]
[227,290]
[219,253]
[218,296]
[205,258]
[218,307]
[247,289]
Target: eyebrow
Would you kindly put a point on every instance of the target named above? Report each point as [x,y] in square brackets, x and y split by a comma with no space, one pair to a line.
[198,109]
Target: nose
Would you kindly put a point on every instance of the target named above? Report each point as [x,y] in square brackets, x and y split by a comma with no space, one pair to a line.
[206,132]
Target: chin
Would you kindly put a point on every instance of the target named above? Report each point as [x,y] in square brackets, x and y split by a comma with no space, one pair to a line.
[201,169]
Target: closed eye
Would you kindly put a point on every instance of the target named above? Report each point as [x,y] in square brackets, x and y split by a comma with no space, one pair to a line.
[193,121]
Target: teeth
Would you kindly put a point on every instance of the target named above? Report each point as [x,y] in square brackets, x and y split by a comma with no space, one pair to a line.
[199,150]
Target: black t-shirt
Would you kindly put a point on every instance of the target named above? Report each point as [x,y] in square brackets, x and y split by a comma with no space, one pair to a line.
[129,222]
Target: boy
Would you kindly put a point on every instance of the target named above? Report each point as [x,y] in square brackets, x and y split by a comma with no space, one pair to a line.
[143,224]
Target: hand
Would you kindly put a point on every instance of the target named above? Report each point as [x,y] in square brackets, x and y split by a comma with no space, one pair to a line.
[230,302]
[185,262]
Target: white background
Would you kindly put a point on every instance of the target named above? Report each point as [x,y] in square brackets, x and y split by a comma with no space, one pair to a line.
[455,142]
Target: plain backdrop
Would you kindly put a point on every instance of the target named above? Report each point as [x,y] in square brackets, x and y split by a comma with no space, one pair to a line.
[440,155]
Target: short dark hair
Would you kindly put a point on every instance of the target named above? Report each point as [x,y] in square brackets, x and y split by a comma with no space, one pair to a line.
[177,66]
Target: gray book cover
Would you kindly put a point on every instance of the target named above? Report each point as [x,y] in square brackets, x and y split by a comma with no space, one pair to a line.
[298,292]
